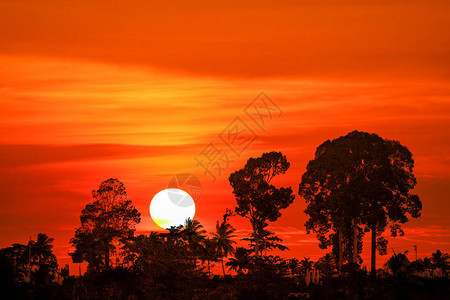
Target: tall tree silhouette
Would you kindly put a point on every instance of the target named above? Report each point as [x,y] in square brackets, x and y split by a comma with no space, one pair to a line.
[194,235]
[209,253]
[42,247]
[110,218]
[257,199]
[223,240]
[359,180]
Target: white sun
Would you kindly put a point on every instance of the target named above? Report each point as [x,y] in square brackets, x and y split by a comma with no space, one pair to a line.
[171,207]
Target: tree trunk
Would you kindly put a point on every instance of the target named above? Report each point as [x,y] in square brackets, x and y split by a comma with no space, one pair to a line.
[374,247]
[341,252]
[107,258]
[223,268]
[255,232]
[355,242]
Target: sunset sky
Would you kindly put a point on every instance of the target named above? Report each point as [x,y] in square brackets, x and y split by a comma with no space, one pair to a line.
[135,90]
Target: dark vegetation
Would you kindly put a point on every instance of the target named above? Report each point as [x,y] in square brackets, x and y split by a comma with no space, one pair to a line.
[355,184]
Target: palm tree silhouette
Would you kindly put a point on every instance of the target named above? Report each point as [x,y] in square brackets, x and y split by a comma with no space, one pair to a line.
[305,265]
[193,231]
[326,265]
[441,261]
[398,264]
[194,234]
[209,253]
[223,240]
[293,265]
[241,260]
[428,265]
[42,248]
[420,266]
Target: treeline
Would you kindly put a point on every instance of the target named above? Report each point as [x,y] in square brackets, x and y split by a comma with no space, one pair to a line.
[355,184]
[33,264]
[176,264]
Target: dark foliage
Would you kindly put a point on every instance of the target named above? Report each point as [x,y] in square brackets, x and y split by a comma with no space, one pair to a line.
[357,183]
[257,199]
[109,218]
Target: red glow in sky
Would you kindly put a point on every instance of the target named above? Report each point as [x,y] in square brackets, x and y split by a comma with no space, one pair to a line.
[135,90]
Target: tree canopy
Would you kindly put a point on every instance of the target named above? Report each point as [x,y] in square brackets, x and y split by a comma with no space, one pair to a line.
[34,262]
[359,181]
[109,219]
[257,199]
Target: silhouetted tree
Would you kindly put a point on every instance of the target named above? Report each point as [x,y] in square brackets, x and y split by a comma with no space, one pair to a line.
[240,263]
[35,261]
[441,262]
[266,267]
[42,256]
[267,241]
[194,235]
[19,257]
[330,209]
[398,264]
[359,179]
[223,240]
[110,218]
[164,266]
[7,274]
[293,265]
[326,265]
[64,272]
[174,235]
[257,199]
[305,265]
[139,250]
[42,248]
[209,253]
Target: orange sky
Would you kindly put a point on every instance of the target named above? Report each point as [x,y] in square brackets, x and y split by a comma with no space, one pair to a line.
[134,90]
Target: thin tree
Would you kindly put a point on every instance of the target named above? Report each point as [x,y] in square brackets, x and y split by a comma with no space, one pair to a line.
[223,240]
[241,260]
[441,261]
[306,264]
[194,235]
[209,253]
